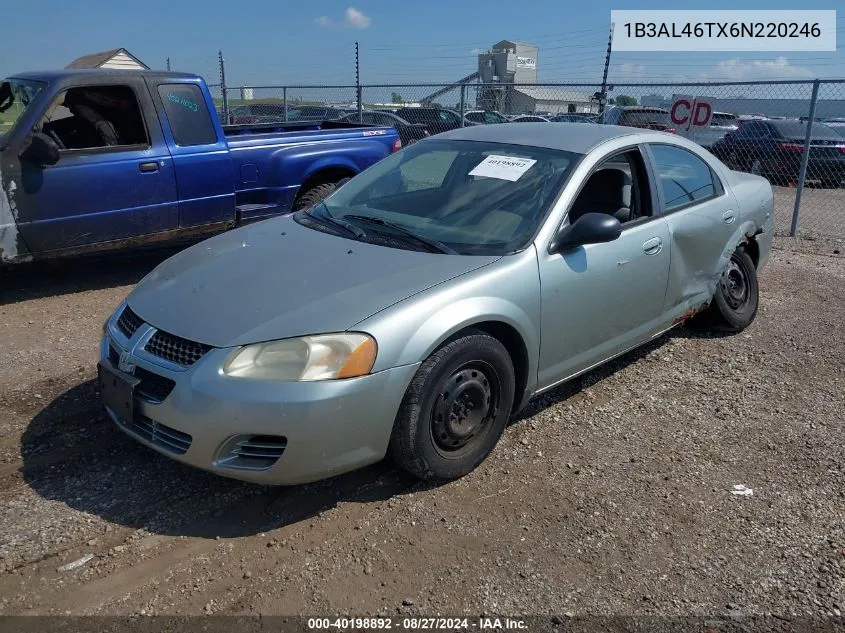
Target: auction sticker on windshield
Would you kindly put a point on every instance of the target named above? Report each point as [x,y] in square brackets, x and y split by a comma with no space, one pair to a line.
[503,167]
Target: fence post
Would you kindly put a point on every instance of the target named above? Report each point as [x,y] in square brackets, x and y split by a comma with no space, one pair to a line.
[223,88]
[463,102]
[805,159]
[285,101]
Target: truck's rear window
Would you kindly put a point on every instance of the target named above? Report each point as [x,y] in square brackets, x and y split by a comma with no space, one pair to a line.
[187,113]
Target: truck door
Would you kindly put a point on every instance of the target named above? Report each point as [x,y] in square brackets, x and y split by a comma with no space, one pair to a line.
[206,186]
[114,178]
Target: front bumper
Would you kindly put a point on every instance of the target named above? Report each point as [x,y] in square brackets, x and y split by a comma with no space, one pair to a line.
[315,429]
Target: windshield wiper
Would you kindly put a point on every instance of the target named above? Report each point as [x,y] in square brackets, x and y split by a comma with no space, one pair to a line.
[328,218]
[407,233]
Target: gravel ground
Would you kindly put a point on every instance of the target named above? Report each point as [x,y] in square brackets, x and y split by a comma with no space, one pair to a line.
[611,495]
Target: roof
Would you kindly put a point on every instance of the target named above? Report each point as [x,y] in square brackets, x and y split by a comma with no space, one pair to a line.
[567,137]
[515,43]
[95,60]
[53,75]
[553,94]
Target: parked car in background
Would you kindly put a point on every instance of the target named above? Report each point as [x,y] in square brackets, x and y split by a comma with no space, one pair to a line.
[436,120]
[638,116]
[315,113]
[480,117]
[425,302]
[408,132]
[574,117]
[720,124]
[773,149]
[836,124]
[530,118]
[256,113]
[106,159]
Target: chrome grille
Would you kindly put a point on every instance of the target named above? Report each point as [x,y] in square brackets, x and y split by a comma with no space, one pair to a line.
[160,435]
[176,349]
[128,322]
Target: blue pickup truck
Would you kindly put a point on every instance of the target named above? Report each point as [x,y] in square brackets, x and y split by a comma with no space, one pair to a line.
[102,159]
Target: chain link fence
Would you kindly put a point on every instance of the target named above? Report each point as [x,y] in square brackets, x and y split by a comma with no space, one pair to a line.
[791,132]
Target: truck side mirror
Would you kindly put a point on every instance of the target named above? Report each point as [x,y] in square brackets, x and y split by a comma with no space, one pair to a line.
[41,150]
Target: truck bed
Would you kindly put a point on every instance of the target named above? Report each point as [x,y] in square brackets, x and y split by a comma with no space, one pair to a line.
[270,166]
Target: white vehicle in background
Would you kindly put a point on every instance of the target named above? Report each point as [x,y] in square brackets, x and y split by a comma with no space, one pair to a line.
[483,117]
[720,124]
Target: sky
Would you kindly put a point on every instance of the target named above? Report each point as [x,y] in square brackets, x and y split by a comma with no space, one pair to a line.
[282,42]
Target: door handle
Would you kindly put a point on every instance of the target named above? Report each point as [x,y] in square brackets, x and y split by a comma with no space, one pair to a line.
[729,216]
[148,167]
[653,246]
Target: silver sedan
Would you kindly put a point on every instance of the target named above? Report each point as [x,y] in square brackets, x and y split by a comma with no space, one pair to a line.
[424,302]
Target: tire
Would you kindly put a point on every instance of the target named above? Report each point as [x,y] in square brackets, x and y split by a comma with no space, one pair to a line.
[314,195]
[443,433]
[735,303]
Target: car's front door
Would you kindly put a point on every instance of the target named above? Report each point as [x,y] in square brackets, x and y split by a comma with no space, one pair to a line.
[599,300]
[114,178]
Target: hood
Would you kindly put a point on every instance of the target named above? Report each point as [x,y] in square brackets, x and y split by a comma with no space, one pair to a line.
[278,279]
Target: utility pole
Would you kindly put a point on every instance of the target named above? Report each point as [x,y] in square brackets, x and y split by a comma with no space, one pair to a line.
[602,94]
[168,64]
[223,87]
[358,84]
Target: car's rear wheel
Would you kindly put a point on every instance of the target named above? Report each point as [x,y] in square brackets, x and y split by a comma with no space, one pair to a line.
[455,409]
[314,195]
[735,303]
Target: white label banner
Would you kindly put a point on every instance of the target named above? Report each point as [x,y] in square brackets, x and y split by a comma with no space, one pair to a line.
[503,167]
[526,62]
[724,30]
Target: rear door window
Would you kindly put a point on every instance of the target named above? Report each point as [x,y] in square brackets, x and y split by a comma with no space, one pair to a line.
[189,119]
[683,177]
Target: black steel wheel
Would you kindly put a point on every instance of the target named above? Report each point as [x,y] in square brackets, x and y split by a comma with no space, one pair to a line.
[737,296]
[455,409]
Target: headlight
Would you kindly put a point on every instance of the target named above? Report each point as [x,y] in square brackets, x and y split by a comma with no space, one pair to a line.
[321,357]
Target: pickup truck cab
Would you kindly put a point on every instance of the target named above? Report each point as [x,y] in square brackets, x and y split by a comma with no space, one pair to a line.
[97,160]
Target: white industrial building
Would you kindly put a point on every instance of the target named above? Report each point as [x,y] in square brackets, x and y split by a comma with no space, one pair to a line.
[506,81]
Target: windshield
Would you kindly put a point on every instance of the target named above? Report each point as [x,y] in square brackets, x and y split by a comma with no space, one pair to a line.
[15,97]
[645,117]
[490,117]
[476,198]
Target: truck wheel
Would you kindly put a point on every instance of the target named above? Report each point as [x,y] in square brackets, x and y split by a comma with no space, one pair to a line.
[455,409]
[734,305]
[313,195]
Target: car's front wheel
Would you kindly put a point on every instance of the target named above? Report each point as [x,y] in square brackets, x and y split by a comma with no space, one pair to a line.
[734,305]
[455,409]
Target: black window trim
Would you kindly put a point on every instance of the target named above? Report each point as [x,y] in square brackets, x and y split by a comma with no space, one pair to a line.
[718,186]
[158,87]
[108,149]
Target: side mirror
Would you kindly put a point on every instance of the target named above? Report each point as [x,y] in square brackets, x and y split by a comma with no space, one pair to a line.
[590,228]
[41,150]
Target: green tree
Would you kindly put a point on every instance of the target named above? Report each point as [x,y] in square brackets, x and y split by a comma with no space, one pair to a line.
[625,100]
[396,98]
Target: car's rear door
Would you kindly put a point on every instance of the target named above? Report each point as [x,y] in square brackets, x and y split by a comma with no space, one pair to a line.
[703,219]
